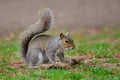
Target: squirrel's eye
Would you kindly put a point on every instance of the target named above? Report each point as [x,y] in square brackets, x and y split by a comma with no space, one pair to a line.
[66,41]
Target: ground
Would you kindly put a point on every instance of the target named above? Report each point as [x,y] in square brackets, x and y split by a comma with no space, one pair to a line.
[99,49]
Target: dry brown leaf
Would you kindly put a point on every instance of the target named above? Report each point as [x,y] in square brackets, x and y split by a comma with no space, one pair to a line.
[74,70]
[117,55]
[58,65]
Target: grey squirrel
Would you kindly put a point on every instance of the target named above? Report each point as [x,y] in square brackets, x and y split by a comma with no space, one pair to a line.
[37,48]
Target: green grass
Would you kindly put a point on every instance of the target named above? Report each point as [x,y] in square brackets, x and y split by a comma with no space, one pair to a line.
[102,45]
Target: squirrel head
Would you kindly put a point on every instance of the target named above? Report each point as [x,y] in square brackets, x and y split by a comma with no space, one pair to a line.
[66,42]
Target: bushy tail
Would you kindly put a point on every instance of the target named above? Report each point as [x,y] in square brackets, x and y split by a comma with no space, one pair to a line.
[43,24]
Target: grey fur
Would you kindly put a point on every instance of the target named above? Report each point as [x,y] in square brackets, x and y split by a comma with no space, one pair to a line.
[45,45]
[37,48]
[42,25]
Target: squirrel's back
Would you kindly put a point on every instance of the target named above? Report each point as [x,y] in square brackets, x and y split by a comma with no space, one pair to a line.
[42,42]
[42,25]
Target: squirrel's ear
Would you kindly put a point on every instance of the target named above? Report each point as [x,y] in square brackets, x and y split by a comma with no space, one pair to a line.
[62,35]
[67,34]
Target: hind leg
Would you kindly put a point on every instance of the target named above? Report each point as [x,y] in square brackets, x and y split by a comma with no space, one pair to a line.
[34,58]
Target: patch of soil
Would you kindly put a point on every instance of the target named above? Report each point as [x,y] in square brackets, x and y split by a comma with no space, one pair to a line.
[17,64]
[70,61]
[56,65]
[66,65]
[74,70]
[117,55]
[1,71]
[3,59]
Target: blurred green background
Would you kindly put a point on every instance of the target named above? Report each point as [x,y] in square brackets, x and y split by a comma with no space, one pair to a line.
[15,15]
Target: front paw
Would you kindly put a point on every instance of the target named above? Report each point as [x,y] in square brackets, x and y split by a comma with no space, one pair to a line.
[58,62]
